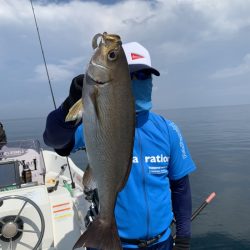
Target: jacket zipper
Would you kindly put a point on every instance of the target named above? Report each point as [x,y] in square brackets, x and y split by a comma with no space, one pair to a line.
[144,183]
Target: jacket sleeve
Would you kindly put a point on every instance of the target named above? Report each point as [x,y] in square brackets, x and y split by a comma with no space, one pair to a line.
[180,163]
[59,134]
[182,206]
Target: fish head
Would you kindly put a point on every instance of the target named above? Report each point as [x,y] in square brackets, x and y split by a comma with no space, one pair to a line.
[108,58]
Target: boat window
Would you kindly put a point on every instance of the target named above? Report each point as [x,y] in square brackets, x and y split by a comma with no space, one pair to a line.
[28,155]
[11,174]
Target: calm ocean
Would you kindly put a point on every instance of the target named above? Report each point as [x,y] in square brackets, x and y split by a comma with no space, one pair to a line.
[219,141]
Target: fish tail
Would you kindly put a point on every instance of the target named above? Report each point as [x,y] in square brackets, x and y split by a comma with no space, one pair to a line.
[100,235]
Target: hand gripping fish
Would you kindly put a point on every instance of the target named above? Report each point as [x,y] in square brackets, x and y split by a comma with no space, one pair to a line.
[108,117]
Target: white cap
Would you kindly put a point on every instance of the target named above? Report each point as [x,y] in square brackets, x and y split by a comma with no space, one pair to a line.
[138,58]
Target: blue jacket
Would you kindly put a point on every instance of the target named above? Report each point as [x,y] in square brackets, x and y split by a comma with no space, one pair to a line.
[144,208]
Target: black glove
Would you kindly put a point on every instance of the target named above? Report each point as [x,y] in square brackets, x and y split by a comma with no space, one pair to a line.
[3,138]
[181,243]
[59,134]
[75,92]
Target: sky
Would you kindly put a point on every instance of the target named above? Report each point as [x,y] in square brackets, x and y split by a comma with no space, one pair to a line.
[200,47]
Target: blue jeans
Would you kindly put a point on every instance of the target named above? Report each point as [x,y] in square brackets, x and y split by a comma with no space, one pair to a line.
[165,245]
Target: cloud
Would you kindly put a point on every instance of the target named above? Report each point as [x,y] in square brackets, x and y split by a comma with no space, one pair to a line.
[60,71]
[225,17]
[186,40]
[242,69]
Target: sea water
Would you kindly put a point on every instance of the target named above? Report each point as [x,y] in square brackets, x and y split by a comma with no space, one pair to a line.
[219,141]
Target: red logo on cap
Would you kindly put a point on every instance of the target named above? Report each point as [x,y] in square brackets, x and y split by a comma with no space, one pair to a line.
[136,56]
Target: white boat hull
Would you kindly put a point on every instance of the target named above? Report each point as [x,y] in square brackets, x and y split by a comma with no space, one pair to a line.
[62,208]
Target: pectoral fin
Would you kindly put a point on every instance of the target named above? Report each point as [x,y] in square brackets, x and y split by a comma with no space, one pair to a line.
[75,112]
[88,180]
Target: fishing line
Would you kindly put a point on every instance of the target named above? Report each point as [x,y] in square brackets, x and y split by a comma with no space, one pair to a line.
[50,85]
[44,60]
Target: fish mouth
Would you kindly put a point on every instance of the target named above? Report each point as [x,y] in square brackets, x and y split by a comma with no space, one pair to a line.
[97,74]
[92,81]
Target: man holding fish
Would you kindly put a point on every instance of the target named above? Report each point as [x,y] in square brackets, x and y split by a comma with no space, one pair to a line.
[138,159]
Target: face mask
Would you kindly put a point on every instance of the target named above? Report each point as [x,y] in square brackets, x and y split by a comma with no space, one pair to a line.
[142,90]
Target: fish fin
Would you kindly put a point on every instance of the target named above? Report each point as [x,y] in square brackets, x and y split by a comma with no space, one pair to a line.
[123,183]
[88,178]
[75,111]
[94,97]
[100,235]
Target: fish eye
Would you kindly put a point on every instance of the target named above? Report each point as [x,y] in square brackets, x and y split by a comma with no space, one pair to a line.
[112,55]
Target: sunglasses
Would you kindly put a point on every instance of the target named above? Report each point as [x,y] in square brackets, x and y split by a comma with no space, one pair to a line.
[140,75]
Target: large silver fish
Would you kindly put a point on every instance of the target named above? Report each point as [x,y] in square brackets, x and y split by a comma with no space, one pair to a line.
[109,122]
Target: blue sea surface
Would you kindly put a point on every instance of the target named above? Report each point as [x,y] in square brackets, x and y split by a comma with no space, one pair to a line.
[219,142]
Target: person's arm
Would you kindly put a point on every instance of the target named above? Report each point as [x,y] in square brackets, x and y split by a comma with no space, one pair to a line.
[180,166]
[182,209]
[59,134]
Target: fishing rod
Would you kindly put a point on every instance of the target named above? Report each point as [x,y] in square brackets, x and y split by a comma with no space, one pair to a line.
[44,60]
[50,85]
[203,205]
[199,209]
